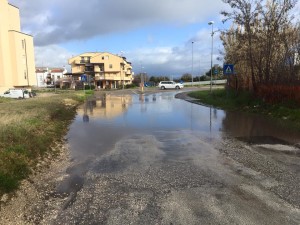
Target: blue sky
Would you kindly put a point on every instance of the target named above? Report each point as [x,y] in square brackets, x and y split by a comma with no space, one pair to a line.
[155,35]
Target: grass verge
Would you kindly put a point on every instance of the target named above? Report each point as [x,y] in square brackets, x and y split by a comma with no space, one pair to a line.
[28,130]
[244,101]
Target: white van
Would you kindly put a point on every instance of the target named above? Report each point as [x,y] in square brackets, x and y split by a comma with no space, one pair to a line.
[16,93]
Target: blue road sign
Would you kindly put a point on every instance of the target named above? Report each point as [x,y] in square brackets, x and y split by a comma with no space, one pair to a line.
[228,69]
[83,77]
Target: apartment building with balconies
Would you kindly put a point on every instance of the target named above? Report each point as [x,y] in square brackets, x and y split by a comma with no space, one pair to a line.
[48,77]
[17,66]
[105,69]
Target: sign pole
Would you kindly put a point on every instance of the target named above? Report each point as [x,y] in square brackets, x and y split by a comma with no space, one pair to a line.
[228,69]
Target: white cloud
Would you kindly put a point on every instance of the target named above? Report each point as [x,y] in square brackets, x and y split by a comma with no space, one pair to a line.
[52,56]
[177,60]
[56,21]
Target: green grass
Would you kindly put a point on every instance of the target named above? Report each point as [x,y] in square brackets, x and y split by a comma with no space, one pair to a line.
[28,130]
[220,98]
[244,101]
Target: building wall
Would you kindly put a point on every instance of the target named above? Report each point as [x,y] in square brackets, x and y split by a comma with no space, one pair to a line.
[14,22]
[5,67]
[41,79]
[77,66]
[22,58]
[17,66]
[109,70]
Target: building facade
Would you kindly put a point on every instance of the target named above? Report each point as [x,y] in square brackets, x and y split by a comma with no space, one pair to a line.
[47,77]
[17,66]
[105,69]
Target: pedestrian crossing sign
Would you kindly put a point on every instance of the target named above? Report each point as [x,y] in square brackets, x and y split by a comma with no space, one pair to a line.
[228,69]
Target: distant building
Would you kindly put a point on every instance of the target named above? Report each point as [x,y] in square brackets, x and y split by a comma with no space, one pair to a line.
[104,69]
[17,67]
[49,76]
[41,76]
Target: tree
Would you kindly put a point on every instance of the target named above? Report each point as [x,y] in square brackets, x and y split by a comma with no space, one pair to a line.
[261,41]
[186,77]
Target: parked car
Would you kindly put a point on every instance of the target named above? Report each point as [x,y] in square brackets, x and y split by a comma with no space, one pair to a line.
[16,93]
[170,84]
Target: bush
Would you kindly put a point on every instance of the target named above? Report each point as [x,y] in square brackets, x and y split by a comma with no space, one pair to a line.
[89,87]
[13,168]
[279,93]
[127,86]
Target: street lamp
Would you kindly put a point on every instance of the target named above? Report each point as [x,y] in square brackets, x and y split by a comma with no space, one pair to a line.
[192,62]
[211,55]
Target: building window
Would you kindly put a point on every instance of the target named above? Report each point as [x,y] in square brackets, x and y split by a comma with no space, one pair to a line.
[102,57]
[81,59]
[110,66]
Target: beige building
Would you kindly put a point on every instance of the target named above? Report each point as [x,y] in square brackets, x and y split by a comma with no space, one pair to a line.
[106,70]
[17,67]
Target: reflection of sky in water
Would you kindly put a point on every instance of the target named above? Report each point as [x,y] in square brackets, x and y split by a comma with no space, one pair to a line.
[163,112]
[149,114]
[144,114]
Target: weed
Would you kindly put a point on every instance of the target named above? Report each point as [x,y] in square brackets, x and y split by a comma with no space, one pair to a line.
[28,129]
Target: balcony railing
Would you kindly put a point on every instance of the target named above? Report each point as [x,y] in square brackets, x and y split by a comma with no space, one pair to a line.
[97,69]
[85,61]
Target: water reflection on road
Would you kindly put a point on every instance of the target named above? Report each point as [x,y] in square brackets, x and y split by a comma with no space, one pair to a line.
[104,120]
[155,159]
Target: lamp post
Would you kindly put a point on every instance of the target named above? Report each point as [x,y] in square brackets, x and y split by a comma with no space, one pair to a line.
[211,55]
[192,62]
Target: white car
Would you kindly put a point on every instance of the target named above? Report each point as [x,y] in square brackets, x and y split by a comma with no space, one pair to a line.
[16,93]
[170,84]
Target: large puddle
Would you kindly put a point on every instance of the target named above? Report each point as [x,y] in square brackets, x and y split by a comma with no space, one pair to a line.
[135,128]
[104,120]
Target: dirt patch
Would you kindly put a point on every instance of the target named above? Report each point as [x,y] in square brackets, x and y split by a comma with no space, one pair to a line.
[14,207]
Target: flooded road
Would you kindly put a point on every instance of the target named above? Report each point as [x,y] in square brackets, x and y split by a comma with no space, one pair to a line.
[155,159]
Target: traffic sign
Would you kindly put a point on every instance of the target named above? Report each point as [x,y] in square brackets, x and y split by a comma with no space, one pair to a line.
[83,78]
[228,69]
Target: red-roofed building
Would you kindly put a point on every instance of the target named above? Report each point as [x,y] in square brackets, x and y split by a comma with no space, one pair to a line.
[48,77]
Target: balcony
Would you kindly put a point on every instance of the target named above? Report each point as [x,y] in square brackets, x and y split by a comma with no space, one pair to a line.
[81,61]
[84,61]
[99,77]
[89,69]
[99,70]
